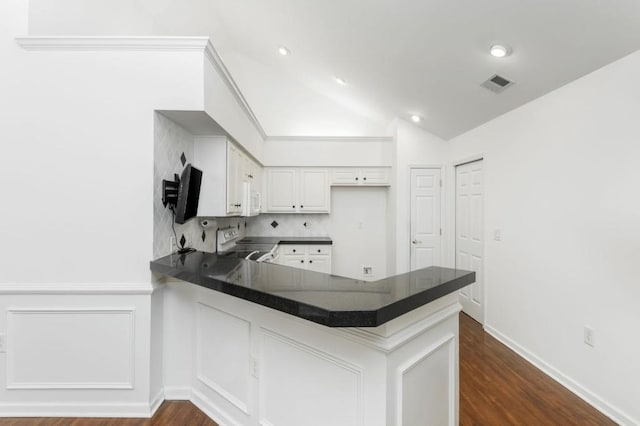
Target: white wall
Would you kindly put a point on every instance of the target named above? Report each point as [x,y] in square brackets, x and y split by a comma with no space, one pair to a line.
[119,17]
[77,219]
[561,182]
[414,147]
[328,152]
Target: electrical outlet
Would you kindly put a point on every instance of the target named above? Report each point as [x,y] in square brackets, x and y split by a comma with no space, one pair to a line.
[3,343]
[367,270]
[497,235]
[172,244]
[589,336]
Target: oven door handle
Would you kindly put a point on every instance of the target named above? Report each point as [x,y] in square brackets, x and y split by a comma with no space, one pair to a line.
[251,254]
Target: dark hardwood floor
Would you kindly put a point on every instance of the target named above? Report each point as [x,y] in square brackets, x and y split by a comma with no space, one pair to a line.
[497,387]
[170,413]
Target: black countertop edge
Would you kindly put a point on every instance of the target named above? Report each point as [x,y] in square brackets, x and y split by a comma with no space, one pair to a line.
[305,242]
[301,309]
[295,308]
[389,312]
[286,240]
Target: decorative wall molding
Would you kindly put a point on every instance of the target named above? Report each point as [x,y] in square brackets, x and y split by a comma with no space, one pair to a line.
[84,43]
[325,356]
[591,398]
[405,335]
[12,383]
[417,359]
[29,289]
[210,382]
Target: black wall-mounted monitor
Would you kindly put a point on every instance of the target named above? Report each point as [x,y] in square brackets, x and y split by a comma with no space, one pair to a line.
[188,194]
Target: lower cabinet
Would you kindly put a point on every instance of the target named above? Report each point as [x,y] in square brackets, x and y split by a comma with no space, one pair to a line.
[312,257]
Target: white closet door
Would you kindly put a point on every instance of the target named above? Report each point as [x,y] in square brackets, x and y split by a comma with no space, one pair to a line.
[470,235]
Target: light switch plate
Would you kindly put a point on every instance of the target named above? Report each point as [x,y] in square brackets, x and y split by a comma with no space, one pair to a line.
[3,343]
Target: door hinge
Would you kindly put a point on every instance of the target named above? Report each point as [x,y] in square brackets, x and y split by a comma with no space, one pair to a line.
[441,232]
[440,183]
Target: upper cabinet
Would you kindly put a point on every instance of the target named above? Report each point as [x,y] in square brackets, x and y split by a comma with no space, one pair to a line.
[364,176]
[294,190]
[225,168]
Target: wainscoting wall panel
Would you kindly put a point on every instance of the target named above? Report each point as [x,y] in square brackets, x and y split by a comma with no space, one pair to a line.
[292,371]
[426,388]
[223,349]
[70,348]
[77,351]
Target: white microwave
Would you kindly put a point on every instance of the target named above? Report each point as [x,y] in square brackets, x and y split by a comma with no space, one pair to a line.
[251,200]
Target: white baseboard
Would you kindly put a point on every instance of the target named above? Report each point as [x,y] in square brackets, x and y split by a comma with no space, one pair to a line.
[156,403]
[57,409]
[214,412]
[591,398]
[177,393]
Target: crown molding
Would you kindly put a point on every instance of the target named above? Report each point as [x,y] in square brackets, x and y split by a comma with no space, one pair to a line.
[163,44]
[330,138]
[212,55]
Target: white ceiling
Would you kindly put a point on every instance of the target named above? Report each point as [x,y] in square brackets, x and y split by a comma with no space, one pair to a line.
[402,57]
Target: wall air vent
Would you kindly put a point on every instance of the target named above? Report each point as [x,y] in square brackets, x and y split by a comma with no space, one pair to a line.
[497,83]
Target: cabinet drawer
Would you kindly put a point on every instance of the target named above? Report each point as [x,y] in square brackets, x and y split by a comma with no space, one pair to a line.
[289,250]
[375,176]
[318,250]
[345,176]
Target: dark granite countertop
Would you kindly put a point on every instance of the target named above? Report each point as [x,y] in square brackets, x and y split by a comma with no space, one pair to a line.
[322,298]
[285,240]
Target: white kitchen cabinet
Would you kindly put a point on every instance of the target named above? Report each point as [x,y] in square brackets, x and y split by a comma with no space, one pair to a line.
[293,190]
[363,176]
[312,257]
[225,167]
[315,192]
[282,190]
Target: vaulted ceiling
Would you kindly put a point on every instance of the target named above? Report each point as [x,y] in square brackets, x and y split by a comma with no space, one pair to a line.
[403,57]
[398,57]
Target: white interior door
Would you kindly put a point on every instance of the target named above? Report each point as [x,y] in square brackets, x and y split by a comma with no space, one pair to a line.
[426,233]
[470,235]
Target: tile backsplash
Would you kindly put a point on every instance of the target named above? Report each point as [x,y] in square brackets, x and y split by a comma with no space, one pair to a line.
[289,225]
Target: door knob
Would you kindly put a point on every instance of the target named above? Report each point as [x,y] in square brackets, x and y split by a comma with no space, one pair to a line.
[416,242]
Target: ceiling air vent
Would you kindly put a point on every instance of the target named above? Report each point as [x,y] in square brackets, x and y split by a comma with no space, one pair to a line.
[497,83]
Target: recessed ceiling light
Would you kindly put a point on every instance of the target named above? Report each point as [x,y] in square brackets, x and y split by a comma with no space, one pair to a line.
[283,51]
[341,81]
[499,51]
[416,118]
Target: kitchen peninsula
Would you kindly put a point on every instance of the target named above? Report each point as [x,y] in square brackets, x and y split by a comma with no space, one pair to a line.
[273,345]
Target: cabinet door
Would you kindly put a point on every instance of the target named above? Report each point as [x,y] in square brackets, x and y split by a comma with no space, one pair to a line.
[282,190]
[315,194]
[345,176]
[375,176]
[319,263]
[234,182]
